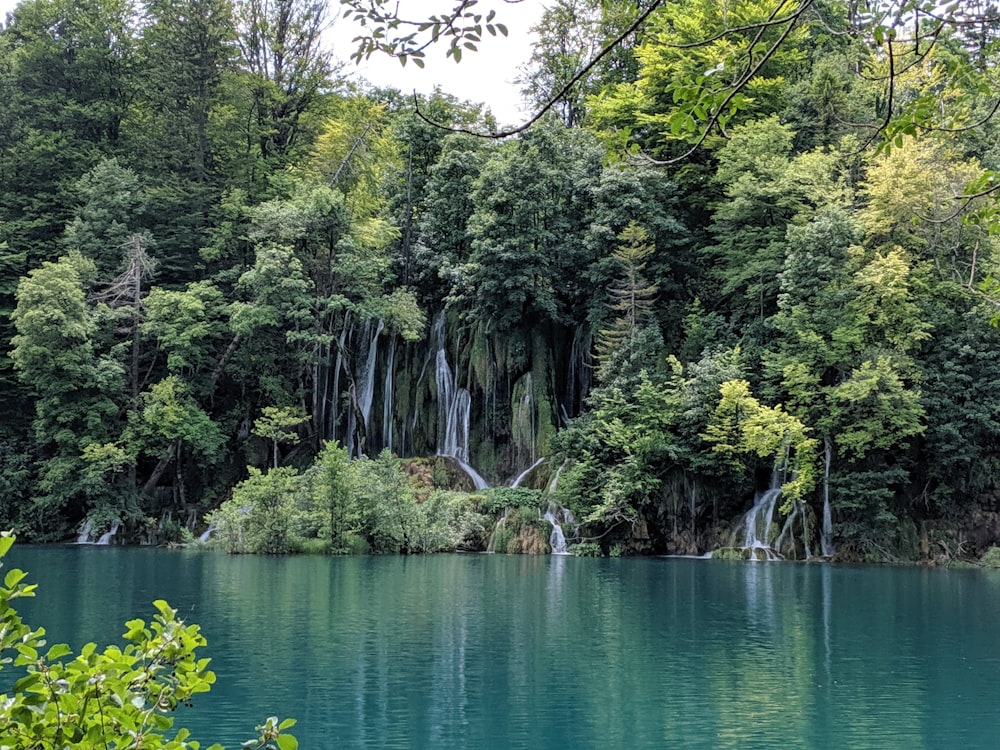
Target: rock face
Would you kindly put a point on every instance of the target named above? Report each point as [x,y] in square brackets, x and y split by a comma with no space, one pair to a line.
[490,401]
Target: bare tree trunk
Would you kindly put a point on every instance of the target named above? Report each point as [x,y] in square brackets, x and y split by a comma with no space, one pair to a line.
[154,478]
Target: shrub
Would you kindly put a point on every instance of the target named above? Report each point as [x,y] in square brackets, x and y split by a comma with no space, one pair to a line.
[258,517]
[991,559]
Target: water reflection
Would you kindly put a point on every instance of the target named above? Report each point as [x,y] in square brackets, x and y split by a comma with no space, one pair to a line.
[515,652]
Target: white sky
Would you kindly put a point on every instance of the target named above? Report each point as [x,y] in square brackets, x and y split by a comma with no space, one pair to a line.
[483,76]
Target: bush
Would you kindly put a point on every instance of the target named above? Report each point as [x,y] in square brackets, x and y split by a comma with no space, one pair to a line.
[258,518]
[499,499]
[991,559]
[118,697]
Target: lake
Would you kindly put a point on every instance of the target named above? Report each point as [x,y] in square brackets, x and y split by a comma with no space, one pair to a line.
[491,651]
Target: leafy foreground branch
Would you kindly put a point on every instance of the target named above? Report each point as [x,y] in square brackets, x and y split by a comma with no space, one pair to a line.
[116,698]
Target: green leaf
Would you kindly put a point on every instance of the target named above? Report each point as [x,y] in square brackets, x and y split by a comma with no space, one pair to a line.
[287,742]
[58,651]
[13,577]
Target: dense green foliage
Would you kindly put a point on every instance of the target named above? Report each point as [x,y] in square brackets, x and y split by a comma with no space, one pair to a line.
[121,696]
[231,283]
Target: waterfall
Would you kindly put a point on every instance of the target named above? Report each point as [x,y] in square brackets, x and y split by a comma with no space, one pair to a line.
[788,531]
[107,536]
[477,479]
[388,395]
[207,533]
[366,380]
[826,537]
[524,474]
[453,407]
[557,540]
[757,524]
[490,548]
[826,534]
[454,404]
[555,479]
[524,418]
[85,529]
[338,365]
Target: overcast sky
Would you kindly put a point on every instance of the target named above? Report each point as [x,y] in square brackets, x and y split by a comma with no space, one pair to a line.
[484,76]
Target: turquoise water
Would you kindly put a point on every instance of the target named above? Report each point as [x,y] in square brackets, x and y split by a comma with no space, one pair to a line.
[489,651]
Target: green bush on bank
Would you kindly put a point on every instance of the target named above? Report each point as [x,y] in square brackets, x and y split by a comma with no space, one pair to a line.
[339,506]
[991,558]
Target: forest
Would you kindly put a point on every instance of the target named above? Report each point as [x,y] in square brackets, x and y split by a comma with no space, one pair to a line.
[752,248]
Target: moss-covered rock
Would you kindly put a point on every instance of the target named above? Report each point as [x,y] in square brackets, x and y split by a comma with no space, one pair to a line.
[521,532]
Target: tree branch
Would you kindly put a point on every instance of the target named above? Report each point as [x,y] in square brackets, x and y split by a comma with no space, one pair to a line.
[606,50]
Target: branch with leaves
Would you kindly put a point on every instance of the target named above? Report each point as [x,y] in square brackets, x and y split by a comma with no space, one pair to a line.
[902,32]
[461,28]
[118,697]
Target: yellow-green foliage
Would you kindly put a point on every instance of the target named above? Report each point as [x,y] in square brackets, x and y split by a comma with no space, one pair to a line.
[741,425]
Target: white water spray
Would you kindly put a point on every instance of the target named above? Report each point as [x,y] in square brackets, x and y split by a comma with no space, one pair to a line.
[85,531]
[757,525]
[454,405]
[557,540]
[108,535]
[524,474]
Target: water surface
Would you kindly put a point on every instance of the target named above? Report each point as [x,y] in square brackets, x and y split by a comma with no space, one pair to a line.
[490,651]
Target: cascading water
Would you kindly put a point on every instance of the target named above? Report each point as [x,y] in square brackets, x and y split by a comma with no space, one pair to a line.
[207,533]
[557,540]
[334,404]
[826,547]
[453,406]
[757,525]
[826,536]
[365,388]
[108,535]
[85,531]
[786,539]
[389,394]
[524,474]
[367,378]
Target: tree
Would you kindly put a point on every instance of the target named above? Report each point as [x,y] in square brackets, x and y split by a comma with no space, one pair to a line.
[119,696]
[765,190]
[744,43]
[66,90]
[169,425]
[631,297]
[285,69]
[462,28]
[276,424]
[741,425]
[182,131]
[257,520]
[531,207]
[189,327]
[333,500]
[75,385]
[568,38]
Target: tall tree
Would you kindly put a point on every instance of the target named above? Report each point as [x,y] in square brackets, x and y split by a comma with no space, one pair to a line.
[68,82]
[286,69]
[631,299]
[76,386]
